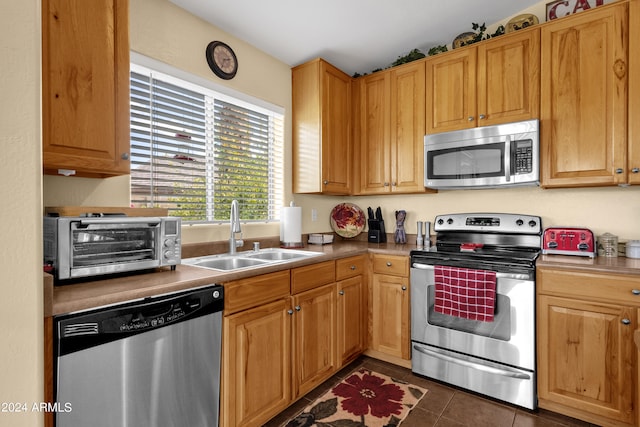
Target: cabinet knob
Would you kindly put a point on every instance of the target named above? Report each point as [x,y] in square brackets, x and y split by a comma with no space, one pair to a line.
[635,170]
[289,312]
[325,182]
[619,171]
[341,292]
[125,156]
[482,117]
[298,308]
[625,321]
[404,288]
[388,263]
[386,184]
[470,118]
[353,267]
[394,184]
[635,291]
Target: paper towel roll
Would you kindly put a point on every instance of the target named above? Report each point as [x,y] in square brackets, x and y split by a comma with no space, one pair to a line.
[291,227]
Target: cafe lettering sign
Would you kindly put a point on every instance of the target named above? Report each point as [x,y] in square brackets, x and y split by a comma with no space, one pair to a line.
[560,8]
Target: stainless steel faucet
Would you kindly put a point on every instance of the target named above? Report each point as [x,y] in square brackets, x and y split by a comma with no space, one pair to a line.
[234,222]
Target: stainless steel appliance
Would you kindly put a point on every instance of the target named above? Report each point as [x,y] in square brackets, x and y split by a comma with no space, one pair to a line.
[77,247]
[569,241]
[488,156]
[152,362]
[473,305]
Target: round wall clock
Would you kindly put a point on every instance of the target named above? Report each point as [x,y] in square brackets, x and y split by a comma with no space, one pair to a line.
[222,60]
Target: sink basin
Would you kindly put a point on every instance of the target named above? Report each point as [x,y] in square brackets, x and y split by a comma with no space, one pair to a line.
[249,259]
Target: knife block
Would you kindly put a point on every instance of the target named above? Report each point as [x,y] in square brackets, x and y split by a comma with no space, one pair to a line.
[377,233]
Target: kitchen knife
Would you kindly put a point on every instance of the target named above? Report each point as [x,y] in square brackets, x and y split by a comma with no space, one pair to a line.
[370,212]
[379,214]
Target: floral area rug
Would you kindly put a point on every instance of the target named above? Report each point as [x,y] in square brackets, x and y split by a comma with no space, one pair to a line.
[364,398]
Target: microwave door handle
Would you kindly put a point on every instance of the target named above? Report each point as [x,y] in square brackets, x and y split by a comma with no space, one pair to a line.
[121,220]
[507,158]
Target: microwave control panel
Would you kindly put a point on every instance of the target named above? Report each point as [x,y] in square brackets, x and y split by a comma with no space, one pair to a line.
[523,156]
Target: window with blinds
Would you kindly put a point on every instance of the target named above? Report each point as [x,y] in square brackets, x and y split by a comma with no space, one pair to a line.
[193,151]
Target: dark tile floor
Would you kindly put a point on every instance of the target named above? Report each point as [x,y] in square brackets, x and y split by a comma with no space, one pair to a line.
[443,406]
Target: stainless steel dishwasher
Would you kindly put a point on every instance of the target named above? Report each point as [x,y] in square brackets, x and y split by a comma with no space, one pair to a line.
[152,362]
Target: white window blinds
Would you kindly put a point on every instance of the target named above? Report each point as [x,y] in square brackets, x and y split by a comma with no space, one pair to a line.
[193,151]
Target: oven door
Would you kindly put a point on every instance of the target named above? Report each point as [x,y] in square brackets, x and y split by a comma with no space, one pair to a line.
[111,245]
[508,339]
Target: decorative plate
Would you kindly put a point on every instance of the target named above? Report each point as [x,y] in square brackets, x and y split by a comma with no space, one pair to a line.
[521,21]
[347,220]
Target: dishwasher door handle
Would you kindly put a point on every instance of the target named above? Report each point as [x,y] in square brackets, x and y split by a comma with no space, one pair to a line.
[505,372]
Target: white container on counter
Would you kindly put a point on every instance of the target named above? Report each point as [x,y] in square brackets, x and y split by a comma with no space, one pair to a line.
[633,249]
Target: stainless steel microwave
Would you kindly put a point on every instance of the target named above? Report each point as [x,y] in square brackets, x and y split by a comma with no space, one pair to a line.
[79,247]
[483,157]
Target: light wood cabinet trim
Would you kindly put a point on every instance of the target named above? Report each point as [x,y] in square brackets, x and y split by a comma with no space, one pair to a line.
[391,264]
[254,291]
[312,276]
[350,267]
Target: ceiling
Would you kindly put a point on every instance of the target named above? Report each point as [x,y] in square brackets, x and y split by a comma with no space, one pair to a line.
[357,36]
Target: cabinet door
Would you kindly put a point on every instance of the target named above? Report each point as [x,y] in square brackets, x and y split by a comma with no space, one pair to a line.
[85,86]
[585,358]
[390,315]
[633,168]
[336,131]
[351,319]
[407,128]
[256,364]
[374,134]
[451,90]
[584,99]
[508,84]
[314,337]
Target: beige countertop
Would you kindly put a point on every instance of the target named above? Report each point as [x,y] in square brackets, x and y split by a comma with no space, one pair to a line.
[98,293]
[616,265]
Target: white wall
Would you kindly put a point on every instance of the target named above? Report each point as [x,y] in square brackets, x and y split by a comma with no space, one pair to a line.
[21,358]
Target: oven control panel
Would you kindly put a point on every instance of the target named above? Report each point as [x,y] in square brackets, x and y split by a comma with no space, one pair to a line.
[487,222]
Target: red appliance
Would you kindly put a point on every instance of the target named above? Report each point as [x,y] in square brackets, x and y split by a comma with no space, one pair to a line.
[569,241]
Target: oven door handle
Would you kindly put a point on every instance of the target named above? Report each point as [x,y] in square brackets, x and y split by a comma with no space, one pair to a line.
[505,372]
[153,221]
[516,276]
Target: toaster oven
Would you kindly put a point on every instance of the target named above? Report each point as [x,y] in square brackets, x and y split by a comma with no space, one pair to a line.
[79,247]
[569,241]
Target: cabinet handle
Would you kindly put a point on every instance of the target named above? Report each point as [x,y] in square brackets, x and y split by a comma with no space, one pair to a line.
[341,292]
[635,170]
[404,288]
[635,291]
[353,267]
[290,312]
[619,171]
[470,118]
[388,263]
[125,156]
[298,308]
[625,321]
[482,117]
[386,184]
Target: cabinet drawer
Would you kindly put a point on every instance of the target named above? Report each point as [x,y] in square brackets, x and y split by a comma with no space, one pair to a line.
[254,291]
[391,264]
[312,276]
[350,267]
[591,286]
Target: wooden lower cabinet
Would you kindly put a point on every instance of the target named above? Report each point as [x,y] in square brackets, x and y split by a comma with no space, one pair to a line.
[314,338]
[390,306]
[256,364]
[586,354]
[351,319]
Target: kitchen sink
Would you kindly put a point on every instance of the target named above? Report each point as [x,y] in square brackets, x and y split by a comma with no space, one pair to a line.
[249,259]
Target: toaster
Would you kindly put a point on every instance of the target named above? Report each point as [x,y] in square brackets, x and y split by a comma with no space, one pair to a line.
[569,241]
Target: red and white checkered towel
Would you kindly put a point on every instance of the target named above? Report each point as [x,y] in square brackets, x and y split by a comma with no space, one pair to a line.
[466,293]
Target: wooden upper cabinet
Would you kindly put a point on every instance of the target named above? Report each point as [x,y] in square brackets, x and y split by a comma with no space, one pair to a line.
[391,130]
[322,149]
[497,81]
[584,98]
[85,87]
[633,164]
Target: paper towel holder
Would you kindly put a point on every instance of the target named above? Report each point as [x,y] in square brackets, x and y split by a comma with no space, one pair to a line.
[291,227]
